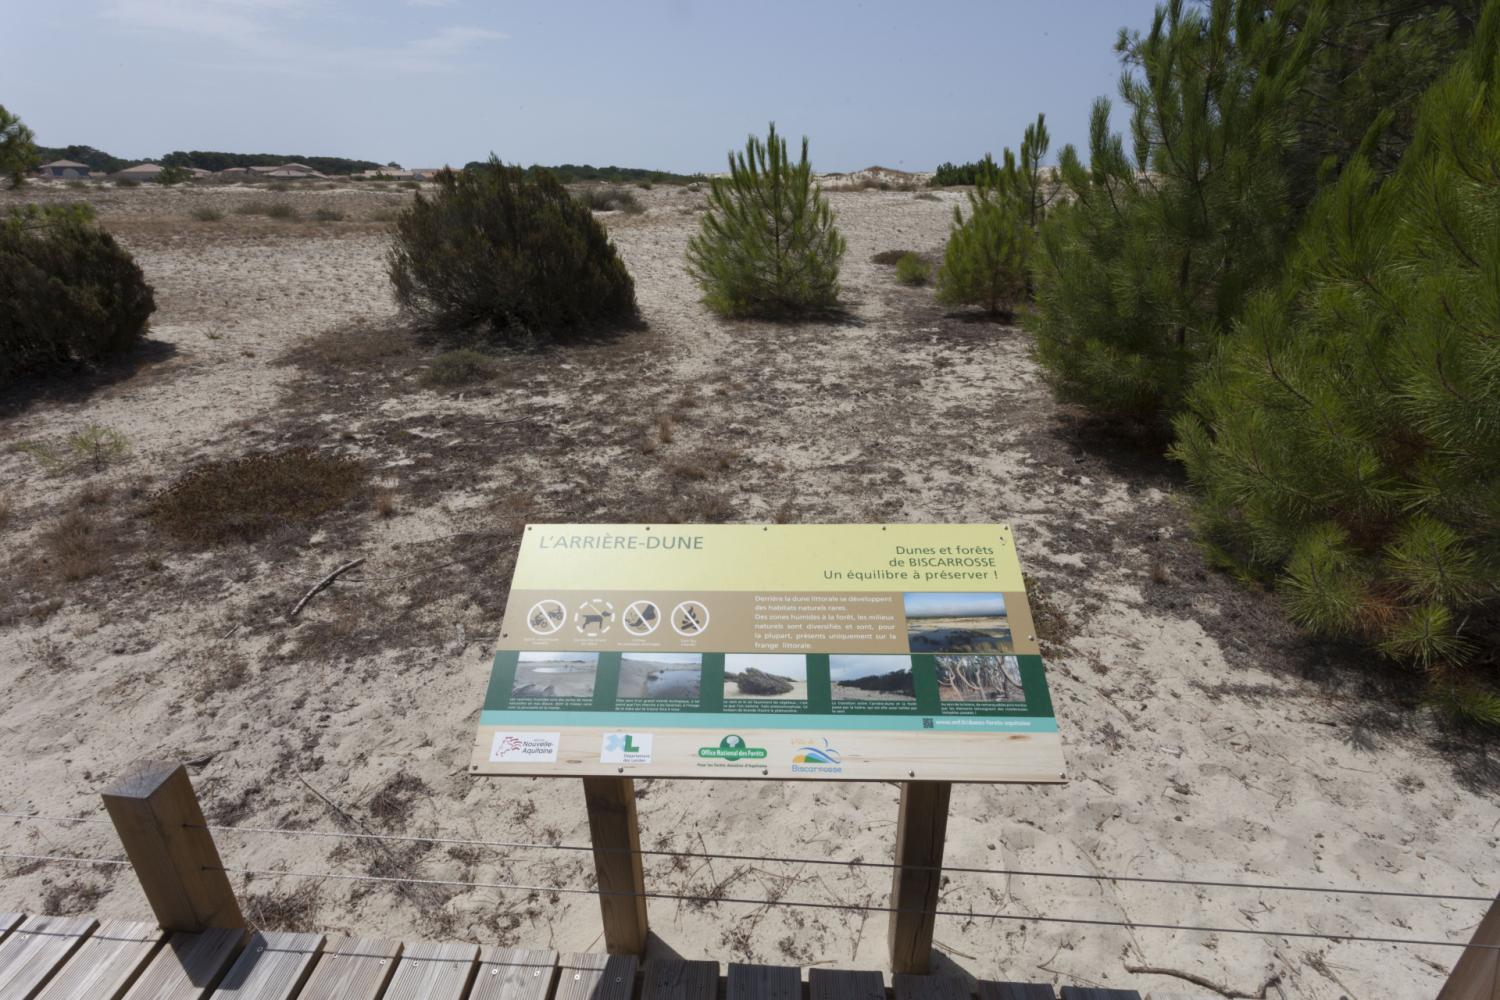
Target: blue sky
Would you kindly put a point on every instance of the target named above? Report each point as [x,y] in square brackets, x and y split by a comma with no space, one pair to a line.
[954,605]
[853,667]
[669,84]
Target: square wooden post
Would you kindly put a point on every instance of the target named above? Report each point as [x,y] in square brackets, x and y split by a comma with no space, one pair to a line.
[1476,976]
[156,814]
[921,831]
[616,836]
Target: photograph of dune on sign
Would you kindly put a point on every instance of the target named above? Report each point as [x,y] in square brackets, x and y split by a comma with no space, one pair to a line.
[957,623]
[979,678]
[777,676]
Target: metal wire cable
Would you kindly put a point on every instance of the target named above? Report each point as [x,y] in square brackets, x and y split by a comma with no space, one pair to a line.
[967,914]
[802,904]
[833,862]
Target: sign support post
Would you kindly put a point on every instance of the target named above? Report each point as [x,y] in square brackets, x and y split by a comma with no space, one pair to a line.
[921,830]
[616,837]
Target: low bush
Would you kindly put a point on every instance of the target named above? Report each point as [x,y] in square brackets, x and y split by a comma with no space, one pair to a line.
[511,249]
[173,175]
[953,175]
[612,199]
[279,186]
[207,214]
[127,182]
[243,499]
[69,294]
[328,215]
[463,366]
[890,258]
[913,270]
[768,246]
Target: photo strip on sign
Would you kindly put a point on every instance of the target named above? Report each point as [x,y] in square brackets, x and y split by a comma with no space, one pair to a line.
[822,652]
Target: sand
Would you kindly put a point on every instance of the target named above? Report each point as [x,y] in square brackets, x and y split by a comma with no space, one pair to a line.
[1204,738]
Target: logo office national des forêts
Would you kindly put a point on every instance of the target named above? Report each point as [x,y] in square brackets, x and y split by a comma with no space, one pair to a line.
[732,748]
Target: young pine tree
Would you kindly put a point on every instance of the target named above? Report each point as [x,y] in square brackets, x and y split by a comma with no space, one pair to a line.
[985,261]
[18,155]
[768,246]
[1156,253]
[1346,438]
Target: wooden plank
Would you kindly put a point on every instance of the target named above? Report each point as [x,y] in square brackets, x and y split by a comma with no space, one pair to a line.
[1094,993]
[273,966]
[189,966]
[1476,975]
[157,817]
[107,963]
[763,982]
[35,951]
[931,988]
[921,830]
[352,968]
[616,836]
[9,922]
[589,976]
[433,971]
[514,974]
[1015,991]
[839,984]
[674,979]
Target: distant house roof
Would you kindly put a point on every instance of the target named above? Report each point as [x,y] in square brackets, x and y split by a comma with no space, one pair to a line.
[146,169]
[297,166]
[263,169]
[64,164]
[285,172]
[235,170]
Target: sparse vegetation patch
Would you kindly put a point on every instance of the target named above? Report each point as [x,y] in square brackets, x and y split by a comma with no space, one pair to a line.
[245,498]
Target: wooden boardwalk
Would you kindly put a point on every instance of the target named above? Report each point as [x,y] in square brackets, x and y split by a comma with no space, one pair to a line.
[80,958]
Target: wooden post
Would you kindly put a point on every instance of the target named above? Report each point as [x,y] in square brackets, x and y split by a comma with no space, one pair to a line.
[617,860]
[920,833]
[157,817]
[1476,976]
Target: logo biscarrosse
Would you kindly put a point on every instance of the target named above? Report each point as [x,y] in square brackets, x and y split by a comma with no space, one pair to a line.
[525,748]
[732,748]
[625,748]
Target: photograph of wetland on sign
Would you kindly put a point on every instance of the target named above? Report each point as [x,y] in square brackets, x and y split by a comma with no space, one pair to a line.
[555,675]
[768,676]
[872,678]
[656,676]
[979,678]
[957,623]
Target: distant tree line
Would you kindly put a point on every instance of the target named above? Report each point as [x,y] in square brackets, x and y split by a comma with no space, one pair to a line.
[208,160]
[572,173]
[95,159]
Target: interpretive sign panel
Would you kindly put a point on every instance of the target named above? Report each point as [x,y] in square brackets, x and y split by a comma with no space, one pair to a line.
[831,652]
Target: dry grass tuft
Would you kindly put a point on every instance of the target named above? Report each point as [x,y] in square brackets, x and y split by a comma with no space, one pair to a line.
[393,803]
[283,909]
[889,257]
[464,366]
[5,510]
[385,503]
[243,499]
[81,544]
[664,429]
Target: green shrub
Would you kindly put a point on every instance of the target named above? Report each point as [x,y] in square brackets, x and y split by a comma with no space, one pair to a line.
[768,246]
[953,175]
[986,258]
[173,175]
[18,153]
[69,293]
[913,270]
[282,211]
[1346,438]
[509,248]
[328,215]
[463,366]
[206,214]
[613,199]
